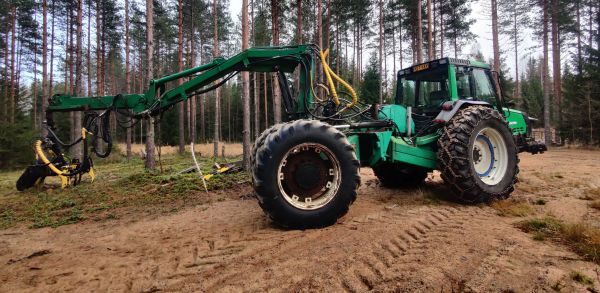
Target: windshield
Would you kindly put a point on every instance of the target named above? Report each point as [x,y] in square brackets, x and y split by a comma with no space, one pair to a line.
[426,90]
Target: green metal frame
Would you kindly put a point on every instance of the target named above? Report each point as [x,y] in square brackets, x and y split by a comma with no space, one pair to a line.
[391,145]
[158,97]
[419,151]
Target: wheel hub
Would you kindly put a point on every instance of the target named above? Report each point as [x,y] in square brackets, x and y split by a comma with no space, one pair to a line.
[476,155]
[309,176]
[489,156]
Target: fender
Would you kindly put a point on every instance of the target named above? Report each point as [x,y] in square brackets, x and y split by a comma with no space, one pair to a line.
[450,108]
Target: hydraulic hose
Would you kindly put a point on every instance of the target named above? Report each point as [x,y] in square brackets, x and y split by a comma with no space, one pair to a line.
[40,154]
[329,73]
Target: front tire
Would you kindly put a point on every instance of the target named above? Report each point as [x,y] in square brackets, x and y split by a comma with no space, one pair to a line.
[305,175]
[477,155]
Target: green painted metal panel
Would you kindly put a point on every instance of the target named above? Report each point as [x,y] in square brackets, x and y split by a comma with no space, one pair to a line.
[452,82]
[397,113]
[427,139]
[479,64]
[420,155]
[380,148]
[516,121]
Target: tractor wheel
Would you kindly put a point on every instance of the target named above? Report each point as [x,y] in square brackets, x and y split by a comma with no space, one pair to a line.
[260,141]
[306,175]
[477,155]
[398,175]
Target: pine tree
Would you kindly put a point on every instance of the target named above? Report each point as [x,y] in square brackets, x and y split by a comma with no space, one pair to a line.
[246,90]
[150,163]
[216,53]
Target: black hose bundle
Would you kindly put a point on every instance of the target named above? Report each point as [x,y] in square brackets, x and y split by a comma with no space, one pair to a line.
[99,126]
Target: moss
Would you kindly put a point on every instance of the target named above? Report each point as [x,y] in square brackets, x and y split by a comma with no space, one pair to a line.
[581,278]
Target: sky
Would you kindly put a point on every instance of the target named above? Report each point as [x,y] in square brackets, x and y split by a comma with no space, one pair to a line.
[481,28]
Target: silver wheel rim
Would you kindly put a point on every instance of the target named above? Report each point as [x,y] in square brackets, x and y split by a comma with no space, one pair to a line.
[321,194]
[489,156]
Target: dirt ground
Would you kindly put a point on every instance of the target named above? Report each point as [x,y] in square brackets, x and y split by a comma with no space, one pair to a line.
[391,240]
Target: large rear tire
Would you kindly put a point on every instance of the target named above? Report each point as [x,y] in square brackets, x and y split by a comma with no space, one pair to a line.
[477,155]
[305,175]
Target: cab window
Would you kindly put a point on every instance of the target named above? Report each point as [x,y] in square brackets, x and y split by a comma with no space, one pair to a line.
[425,91]
[484,91]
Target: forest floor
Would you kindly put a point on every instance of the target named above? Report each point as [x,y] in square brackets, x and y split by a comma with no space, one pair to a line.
[143,232]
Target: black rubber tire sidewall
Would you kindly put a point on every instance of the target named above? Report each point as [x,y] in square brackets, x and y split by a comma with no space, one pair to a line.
[455,155]
[269,156]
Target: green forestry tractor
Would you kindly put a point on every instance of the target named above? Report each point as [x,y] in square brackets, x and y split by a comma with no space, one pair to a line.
[447,115]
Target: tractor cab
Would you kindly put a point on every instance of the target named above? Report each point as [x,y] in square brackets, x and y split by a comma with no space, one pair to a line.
[434,91]
[427,86]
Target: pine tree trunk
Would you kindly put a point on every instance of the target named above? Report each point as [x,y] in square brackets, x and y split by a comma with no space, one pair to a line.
[193,64]
[180,106]
[442,32]
[429,31]
[381,57]
[150,163]
[34,99]
[128,135]
[255,77]
[245,91]
[51,78]
[99,86]
[274,82]
[419,26]
[77,149]
[89,45]
[394,51]
[545,79]
[11,97]
[216,53]
[435,21]
[327,29]
[495,42]
[6,83]
[45,91]
[202,101]
[579,32]
[556,66]
[255,83]
[515,36]
[265,98]
[299,21]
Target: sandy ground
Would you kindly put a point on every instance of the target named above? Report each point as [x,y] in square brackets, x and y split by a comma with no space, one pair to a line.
[391,240]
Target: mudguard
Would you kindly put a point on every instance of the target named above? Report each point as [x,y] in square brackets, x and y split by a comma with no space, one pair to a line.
[450,108]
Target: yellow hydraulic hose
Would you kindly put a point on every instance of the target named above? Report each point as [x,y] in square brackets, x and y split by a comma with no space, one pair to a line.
[40,154]
[329,73]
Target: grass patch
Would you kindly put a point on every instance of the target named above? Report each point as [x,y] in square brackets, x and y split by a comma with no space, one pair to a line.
[119,184]
[512,208]
[540,202]
[581,278]
[581,238]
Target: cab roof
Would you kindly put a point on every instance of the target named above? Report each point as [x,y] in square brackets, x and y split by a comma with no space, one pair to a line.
[441,62]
